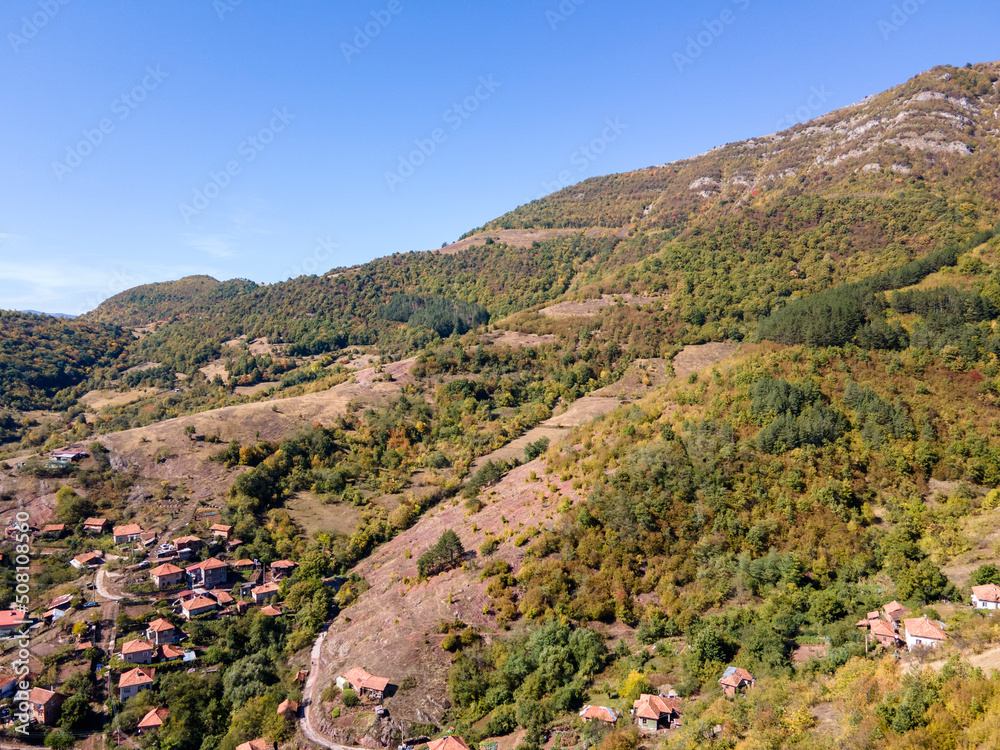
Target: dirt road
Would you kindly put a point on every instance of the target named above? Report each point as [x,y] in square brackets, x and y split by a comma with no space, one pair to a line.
[102,588]
[307,698]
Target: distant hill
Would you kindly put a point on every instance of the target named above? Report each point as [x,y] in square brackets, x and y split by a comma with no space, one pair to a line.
[51,315]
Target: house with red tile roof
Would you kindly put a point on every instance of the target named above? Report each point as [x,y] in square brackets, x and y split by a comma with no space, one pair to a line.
[363,683]
[895,611]
[192,543]
[655,712]
[258,744]
[138,652]
[271,610]
[199,605]
[209,573]
[96,525]
[220,530]
[288,709]
[261,594]
[243,565]
[986,596]
[599,713]
[135,681]
[11,621]
[89,560]
[923,633]
[166,575]
[448,743]
[735,679]
[44,705]
[168,652]
[153,720]
[53,529]
[885,633]
[282,569]
[126,533]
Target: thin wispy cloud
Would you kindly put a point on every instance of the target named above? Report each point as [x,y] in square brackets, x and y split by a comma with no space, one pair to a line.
[214,245]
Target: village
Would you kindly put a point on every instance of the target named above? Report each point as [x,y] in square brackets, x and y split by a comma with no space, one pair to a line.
[129,614]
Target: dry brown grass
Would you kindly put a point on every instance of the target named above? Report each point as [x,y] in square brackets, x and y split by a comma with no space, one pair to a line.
[696,357]
[591,307]
[642,376]
[392,629]
[100,399]
[307,510]
[524,237]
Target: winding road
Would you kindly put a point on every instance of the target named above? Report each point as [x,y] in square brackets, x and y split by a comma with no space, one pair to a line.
[307,699]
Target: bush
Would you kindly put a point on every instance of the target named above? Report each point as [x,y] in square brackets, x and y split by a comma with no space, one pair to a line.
[350,698]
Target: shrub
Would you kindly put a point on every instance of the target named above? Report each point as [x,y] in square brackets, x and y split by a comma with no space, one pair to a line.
[350,698]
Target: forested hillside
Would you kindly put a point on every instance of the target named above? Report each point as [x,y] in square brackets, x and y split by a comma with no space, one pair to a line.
[838,452]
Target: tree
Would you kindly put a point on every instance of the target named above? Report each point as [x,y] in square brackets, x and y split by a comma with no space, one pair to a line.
[442,555]
[988,573]
[75,711]
[59,739]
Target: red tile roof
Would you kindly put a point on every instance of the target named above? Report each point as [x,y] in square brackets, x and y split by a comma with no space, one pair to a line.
[448,743]
[601,713]
[160,625]
[883,629]
[258,744]
[127,530]
[655,706]
[137,676]
[736,677]
[199,602]
[168,651]
[154,718]
[988,592]
[921,627]
[41,696]
[10,617]
[137,646]
[165,570]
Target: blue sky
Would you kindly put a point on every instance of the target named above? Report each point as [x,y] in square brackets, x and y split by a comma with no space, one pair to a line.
[145,141]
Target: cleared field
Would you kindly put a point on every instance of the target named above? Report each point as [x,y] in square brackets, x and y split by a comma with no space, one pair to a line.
[524,237]
[100,399]
[307,510]
[696,357]
[516,339]
[640,378]
[590,307]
